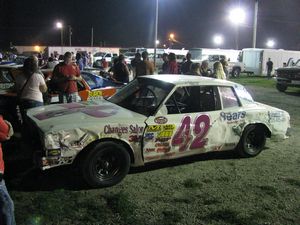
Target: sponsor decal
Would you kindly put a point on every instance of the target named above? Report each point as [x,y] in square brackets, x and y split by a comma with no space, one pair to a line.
[232,116]
[165,134]
[162,139]
[134,138]
[163,149]
[163,144]
[150,150]
[154,128]
[161,120]
[149,136]
[183,137]
[132,129]
[115,130]
[95,94]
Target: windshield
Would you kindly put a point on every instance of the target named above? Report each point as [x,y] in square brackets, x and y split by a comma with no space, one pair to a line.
[99,54]
[243,95]
[142,95]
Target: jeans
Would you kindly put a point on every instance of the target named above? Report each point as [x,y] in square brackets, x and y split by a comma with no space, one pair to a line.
[7,206]
[68,97]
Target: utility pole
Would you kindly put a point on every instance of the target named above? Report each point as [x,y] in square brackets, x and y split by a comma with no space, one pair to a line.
[92,37]
[155,32]
[70,35]
[255,24]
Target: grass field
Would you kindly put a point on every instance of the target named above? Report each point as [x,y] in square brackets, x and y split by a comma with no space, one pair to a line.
[212,189]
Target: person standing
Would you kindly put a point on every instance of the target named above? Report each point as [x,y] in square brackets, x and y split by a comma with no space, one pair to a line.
[134,62]
[120,70]
[145,67]
[204,70]
[165,65]
[218,71]
[173,67]
[65,76]
[224,62]
[7,214]
[269,68]
[30,86]
[186,66]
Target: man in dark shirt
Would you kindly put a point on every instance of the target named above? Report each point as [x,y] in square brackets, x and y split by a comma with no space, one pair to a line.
[269,68]
[186,66]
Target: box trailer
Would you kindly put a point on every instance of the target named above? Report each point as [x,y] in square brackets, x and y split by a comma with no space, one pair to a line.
[255,59]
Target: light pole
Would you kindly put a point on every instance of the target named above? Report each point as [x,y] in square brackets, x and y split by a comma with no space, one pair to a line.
[70,35]
[237,16]
[59,25]
[155,31]
[255,24]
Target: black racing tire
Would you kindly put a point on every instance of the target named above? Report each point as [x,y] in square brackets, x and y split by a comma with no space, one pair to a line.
[236,72]
[281,87]
[105,165]
[252,141]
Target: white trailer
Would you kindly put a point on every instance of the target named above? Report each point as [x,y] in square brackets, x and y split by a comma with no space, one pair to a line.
[255,59]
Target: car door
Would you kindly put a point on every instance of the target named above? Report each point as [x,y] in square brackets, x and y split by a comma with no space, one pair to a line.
[187,123]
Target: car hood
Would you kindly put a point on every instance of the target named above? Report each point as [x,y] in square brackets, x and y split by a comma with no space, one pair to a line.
[84,114]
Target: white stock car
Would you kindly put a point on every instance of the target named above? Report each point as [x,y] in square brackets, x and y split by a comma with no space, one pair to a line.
[155,118]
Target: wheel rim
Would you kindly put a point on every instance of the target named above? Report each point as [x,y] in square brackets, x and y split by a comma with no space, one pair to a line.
[254,142]
[106,165]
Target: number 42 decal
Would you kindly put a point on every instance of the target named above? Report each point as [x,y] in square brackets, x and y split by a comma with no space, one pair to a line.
[183,136]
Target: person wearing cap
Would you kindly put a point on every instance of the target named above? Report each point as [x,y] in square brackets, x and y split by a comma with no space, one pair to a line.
[7,215]
[65,76]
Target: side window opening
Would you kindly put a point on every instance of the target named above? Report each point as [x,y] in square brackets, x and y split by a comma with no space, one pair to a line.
[229,98]
[193,99]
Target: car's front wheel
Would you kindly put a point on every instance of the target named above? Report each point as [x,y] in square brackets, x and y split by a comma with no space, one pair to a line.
[281,88]
[236,72]
[252,141]
[106,164]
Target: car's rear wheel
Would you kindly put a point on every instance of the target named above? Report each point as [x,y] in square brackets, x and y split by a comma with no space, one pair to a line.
[105,165]
[252,141]
[281,88]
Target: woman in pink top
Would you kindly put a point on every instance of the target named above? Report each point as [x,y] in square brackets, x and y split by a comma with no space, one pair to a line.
[173,67]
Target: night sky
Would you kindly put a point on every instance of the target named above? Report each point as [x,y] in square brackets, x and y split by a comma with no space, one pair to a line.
[130,23]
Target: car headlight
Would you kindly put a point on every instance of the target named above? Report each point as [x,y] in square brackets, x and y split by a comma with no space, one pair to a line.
[277,116]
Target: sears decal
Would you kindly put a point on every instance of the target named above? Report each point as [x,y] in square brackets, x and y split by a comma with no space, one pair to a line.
[160,120]
[232,116]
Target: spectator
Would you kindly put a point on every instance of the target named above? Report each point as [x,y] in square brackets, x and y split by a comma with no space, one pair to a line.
[79,61]
[165,65]
[204,70]
[269,68]
[30,86]
[173,67]
[134,62]
[195,69]
[65,76]
[224,64]
[144,67]
[104,64]
[218,71]
[120,70]
[186,66]
[7,214]
[51,63]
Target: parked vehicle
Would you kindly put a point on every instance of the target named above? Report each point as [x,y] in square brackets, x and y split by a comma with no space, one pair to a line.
[157,117]
[255,59]
[108,56]
[288,77]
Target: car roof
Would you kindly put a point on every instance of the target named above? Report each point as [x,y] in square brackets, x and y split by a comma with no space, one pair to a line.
[179,80]
[12,65]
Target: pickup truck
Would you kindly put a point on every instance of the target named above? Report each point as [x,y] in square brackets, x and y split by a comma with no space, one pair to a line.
[288,76]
